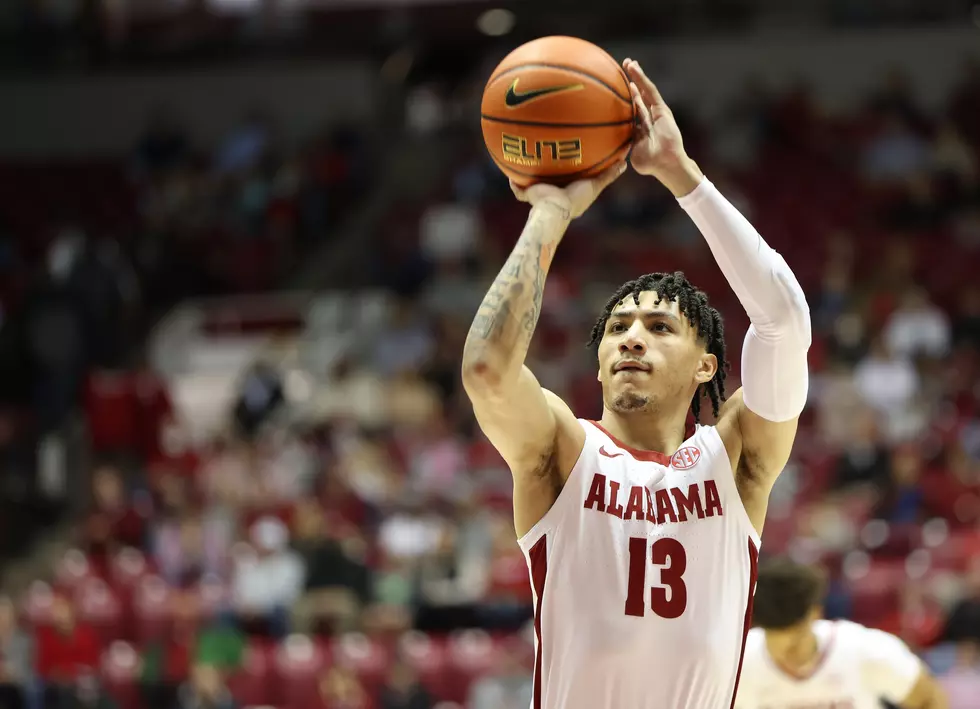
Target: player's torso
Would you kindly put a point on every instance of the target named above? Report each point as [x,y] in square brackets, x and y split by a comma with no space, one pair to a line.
[834,682]
[642,573]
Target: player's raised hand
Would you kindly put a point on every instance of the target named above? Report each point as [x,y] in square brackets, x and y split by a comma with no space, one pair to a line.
[572,200]
[658,145]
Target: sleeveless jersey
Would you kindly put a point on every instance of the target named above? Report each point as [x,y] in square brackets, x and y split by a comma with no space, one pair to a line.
[643,573]
[857,667]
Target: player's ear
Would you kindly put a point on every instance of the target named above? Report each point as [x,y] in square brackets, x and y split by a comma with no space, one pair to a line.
[707,366]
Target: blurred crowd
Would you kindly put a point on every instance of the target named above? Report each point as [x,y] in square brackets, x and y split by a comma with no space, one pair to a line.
[365,559]
[94,250]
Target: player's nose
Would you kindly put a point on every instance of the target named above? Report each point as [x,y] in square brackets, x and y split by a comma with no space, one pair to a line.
[633,344]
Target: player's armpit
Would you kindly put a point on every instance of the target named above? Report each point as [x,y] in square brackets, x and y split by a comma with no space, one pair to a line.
[925,694]
[537,436]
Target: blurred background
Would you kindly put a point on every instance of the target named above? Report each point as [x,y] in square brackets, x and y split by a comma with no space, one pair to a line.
[241,242]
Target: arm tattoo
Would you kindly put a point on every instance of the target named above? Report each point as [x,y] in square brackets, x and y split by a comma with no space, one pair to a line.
[509,313]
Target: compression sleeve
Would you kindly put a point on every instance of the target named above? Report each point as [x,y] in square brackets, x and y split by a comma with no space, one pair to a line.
[775,379]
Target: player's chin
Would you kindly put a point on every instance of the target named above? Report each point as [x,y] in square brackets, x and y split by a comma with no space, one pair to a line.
[626,400]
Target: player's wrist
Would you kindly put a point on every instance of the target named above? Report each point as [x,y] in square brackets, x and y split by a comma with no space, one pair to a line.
[553,211]
[681,176]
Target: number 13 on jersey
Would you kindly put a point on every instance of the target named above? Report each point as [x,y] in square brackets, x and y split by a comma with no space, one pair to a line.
[667,600]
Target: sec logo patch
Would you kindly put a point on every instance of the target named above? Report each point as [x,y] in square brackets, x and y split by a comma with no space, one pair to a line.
[685,458]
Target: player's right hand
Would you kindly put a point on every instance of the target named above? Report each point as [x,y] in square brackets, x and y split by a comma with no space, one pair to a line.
[572,200]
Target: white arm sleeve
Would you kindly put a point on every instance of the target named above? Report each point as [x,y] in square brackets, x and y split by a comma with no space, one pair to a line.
[889,668]
[774,355]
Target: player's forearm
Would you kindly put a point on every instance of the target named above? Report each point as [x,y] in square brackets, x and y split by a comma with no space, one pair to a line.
[501,332]
[763,282]
[774,355]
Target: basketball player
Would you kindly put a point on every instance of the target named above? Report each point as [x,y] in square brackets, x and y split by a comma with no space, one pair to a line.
[642,541]
[795,660]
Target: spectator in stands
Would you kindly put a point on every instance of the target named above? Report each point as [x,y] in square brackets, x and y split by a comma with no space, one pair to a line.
[188,546]
[403,690]
[261,395]
[66,650]
[167,661]
[966,325]
[337,579]
[16,659]
[206,689]
[339,688]
[895,153]
[267,583]
[902,497]
[864,461]
[113,522]
[889,384]
[918,327]
[964,620]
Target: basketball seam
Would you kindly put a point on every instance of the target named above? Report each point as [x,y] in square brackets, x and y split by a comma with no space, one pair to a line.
[564,67]
[550,124]
[507,168]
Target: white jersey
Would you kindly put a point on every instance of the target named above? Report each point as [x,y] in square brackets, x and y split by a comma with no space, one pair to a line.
[857,667]
[643,572]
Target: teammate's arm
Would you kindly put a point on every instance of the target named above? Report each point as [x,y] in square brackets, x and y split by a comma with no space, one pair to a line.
[895,673]
[761,418]
[534,431]
[926,694]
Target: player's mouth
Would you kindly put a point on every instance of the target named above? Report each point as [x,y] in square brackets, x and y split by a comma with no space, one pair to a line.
[631,365]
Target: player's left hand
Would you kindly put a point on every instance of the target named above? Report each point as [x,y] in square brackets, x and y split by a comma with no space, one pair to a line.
[657,147]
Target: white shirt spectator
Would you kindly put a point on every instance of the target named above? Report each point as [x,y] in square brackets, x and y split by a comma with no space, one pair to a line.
[918,327]
[450,230]
[274,578]
[886,382]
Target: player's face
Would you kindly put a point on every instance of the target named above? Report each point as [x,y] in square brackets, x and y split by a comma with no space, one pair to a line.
[650,355]
[794,647]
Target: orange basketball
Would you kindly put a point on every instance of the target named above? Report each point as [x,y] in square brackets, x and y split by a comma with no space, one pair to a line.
[557,109]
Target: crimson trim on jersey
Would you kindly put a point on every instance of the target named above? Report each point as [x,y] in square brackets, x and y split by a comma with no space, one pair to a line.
[804,676]
[539,571]
[648,456]
[747,623]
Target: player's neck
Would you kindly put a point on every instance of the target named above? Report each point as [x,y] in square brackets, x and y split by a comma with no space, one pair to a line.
[647,432]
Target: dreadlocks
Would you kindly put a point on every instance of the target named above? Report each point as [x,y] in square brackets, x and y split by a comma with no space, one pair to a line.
[693,303]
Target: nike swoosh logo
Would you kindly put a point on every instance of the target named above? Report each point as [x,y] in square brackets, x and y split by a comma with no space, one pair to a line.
[513,99]
[603,451]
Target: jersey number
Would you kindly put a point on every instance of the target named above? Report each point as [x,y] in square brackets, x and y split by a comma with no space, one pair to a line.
[670,598]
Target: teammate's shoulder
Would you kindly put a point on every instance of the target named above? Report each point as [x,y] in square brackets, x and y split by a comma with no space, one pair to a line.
[866,639]
[755,640]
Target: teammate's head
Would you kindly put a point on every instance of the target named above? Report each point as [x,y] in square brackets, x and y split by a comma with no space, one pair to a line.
[788,599]
[663,327]
[788,595]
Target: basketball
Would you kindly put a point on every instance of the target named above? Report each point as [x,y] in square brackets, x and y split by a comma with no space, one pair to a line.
[555,110]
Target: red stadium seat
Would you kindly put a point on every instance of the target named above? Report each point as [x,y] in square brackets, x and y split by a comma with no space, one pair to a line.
[120,674]
[97,605]
[427,656]
[252,684]
[470,655]
[73,568]
[37,603]
[151,610]
[128,566]
[298,663]
[366,657]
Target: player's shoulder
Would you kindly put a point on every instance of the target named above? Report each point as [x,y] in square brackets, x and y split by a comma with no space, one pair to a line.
[852,632]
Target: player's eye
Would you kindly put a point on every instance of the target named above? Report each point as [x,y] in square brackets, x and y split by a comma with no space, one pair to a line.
[617,327]
[662,327]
